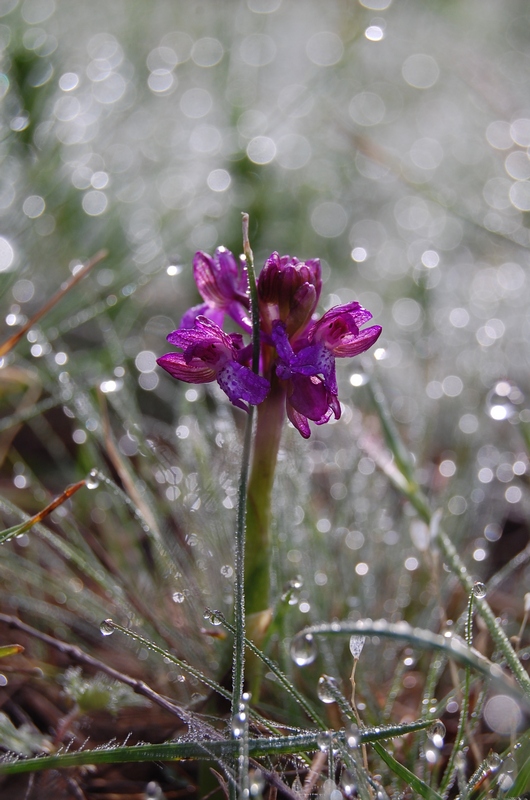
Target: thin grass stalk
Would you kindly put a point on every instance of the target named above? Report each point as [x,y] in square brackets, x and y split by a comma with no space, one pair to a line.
[496,632]
[450,770]
[412,491]
[238,666]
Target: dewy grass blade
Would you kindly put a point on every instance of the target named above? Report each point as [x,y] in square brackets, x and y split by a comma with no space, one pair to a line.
[406,775]
[411,490]
[78,276]
[450,770]
[207,749]
[454,647]
[17,530]
[496,632]
[238,672]
[195,673]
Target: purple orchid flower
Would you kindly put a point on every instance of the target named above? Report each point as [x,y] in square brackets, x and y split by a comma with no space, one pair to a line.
[309,367]
[211,354]
[304,350]
[297,352]
[223,284]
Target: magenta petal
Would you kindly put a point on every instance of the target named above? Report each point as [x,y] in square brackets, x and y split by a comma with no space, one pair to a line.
[353,310]
[240,383]
[298,420]
[206,273]
[223,283]
[215,314]
[352,345]
[196,371]
[309,397]
[239,314]
[204,331]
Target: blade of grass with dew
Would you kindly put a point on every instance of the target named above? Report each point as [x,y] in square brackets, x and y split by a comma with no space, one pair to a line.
[238,665]
[18,530]
[77,655]
[450,769]
[282,679]
[400,770]
[85,560]
[453,647]
[207,749]
[413,493]
[406,775]
[10,343]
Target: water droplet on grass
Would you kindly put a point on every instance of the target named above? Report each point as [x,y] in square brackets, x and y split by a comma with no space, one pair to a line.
[303,650]
[436,733]
[492,762]
[323,689]
[353,737]
[107,627]
[213,617]
[479,590]
[324,740]
[92,482]
[503,399]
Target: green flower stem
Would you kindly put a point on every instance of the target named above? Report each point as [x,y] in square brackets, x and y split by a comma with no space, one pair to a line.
[270,419]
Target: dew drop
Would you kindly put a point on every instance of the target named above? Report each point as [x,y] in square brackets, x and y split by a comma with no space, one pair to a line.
[492,762]
[291,591]
[153,791]
[479,590]
[297,787]
[348,783]
[323,689]
[92,482]
[505,782]
[353,737]
[213,617]
[107,627]
[436,733]
[257,783]
[356,645]
[178,597]
[324,740]
[303,650]
[240,719]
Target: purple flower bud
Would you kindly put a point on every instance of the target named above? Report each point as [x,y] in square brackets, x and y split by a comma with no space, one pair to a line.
[288,290]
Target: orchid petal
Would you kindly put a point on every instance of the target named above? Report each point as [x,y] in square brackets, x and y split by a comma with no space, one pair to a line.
[240,383]
[354,345]
[223,283]
[205,310]
[309,397]
[194,371]
[298,420]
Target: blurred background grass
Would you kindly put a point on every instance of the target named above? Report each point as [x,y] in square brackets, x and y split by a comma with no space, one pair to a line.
[387,138]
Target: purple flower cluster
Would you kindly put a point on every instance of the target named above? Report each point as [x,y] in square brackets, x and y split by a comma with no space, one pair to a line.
[298,352]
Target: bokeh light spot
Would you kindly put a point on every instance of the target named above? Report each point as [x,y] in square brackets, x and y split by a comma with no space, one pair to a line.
[420,71]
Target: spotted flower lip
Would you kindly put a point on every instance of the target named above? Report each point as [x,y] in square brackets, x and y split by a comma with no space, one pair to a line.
[308,367]
[211,354]
[222,281]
